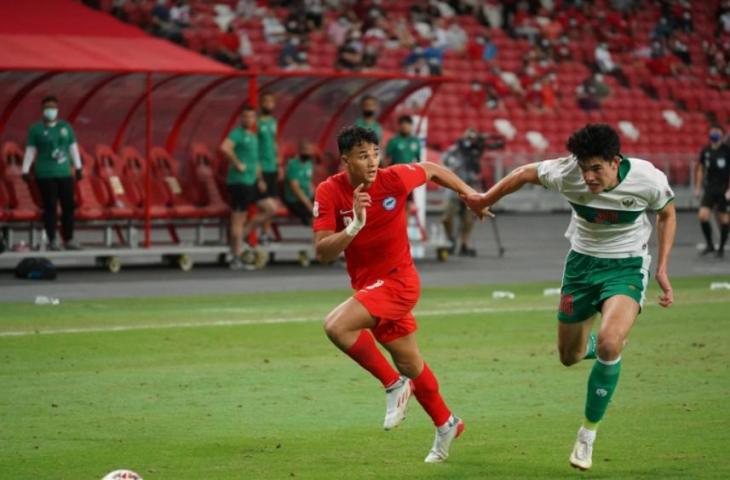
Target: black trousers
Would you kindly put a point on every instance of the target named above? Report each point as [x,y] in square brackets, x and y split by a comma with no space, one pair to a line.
[53,191]
[299,210]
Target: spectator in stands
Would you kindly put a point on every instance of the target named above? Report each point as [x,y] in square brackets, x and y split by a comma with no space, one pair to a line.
[404,147]
[298,183]
[244,182]
[591,92]
[350,54]
[562,51]
[337,31]
[369,108]
[229,51]
[712,185]
[419,68]
[268,156]
[274,31]
[464,159]
[605,64]
[246,8]
[289,52]
[680,49]
[482,48]
[180,14]
[52,146]
[490,14]
[162,24]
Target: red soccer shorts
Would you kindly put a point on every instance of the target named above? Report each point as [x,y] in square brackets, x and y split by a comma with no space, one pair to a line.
[390,301]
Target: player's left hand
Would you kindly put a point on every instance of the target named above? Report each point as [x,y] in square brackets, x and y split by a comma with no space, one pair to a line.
[666,299]
[475,202]
[262,185]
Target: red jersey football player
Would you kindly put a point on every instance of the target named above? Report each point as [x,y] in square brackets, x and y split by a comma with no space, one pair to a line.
[361,211]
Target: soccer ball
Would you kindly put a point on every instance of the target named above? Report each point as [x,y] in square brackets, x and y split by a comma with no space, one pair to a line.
[122,475]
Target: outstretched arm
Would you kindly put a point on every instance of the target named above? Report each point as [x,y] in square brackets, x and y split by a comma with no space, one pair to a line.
[515,180]
[666,227]
[448,179]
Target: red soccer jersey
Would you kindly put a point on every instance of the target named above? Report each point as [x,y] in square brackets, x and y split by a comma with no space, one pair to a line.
[382,245]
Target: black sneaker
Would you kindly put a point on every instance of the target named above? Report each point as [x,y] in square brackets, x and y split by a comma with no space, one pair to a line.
[720,254]
[467,252]
[53,246]
[708,249]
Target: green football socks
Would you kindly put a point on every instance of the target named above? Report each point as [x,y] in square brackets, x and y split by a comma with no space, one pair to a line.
[601,385]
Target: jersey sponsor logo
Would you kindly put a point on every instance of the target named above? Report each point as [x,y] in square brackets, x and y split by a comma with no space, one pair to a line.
[628,202]
[389,203]
[414,147]
[566,304]
[606,216]
[373,286]
[315,210]
[64,133]
[720,163]
[601,392]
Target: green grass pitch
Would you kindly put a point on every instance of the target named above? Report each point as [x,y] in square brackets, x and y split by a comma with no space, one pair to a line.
[248,387]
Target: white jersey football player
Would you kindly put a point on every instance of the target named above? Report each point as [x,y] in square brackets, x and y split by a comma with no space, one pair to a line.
[607,269]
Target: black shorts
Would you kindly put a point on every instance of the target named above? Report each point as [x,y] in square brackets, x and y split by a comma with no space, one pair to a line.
[272,185]
[715,201]
[241,196]
[299,210]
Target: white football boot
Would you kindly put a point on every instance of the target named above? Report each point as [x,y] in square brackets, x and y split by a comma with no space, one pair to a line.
[396,401]
[444,436]
[581,458]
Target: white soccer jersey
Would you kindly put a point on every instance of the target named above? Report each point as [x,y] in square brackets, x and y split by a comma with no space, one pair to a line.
[610,224]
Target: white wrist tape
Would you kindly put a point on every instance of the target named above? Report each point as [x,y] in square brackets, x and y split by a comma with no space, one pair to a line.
[357,224]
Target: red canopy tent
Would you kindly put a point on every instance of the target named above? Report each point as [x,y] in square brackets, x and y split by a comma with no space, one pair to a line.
[104,72]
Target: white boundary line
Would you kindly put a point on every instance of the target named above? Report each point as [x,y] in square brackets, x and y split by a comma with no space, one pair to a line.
[279,320]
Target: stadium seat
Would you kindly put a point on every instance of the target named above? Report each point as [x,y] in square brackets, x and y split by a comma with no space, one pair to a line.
[23,207]
[88,204]
[204,180]
[167,169]
[108,169]
[134,180]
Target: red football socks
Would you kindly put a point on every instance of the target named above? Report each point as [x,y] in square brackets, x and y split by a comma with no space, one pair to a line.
[427,394]
[366,353]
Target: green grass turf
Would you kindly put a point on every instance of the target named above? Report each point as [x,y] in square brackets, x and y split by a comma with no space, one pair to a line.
[255,401]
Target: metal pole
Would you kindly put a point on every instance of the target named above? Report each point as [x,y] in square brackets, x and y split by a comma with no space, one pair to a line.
[148,166]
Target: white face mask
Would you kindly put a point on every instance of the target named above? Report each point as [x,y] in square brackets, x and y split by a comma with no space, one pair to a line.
[50,114]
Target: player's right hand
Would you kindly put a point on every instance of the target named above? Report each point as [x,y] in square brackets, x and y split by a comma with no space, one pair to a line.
[241,167]
[360,201]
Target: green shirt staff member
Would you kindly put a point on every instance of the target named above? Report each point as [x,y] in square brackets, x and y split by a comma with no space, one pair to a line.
[298,183]
[404,147]
[268,158]
[369,107]
[244,181]
[52,146]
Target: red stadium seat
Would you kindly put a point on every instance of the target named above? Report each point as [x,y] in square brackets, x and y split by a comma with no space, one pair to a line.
[22,204]
[108,169]
[204,180]
[134,182]
[88,204]
[167,169]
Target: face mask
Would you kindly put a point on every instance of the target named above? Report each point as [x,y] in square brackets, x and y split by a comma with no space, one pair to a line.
[265,111]
[368,113]
[304,157]
[715,136]
[50,114]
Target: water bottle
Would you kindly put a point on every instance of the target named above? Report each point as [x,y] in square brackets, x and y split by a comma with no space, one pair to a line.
[44,300]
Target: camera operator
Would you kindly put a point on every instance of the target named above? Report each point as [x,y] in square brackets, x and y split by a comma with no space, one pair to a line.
[464,159]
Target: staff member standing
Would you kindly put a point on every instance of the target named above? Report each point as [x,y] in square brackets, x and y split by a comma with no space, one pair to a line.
[52,145]
[267,126]
[405,147]
[712,182]
[369,108]
[298,183]
[241,148]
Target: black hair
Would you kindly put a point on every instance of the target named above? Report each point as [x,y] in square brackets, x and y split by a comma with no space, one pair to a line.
[717,127]
[366,98]
[405,119]
[248,108]
[594,140]
[49,98]
[351,137]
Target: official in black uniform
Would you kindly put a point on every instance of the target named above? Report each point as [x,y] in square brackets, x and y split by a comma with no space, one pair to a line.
[712,184]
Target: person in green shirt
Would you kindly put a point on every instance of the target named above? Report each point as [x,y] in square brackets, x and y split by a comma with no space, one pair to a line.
[245,182]
[268,157]
[404,147]
[52,146]
[369,108]
[298,183]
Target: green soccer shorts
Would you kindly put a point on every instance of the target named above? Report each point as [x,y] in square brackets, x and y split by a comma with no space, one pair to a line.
[589,281]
